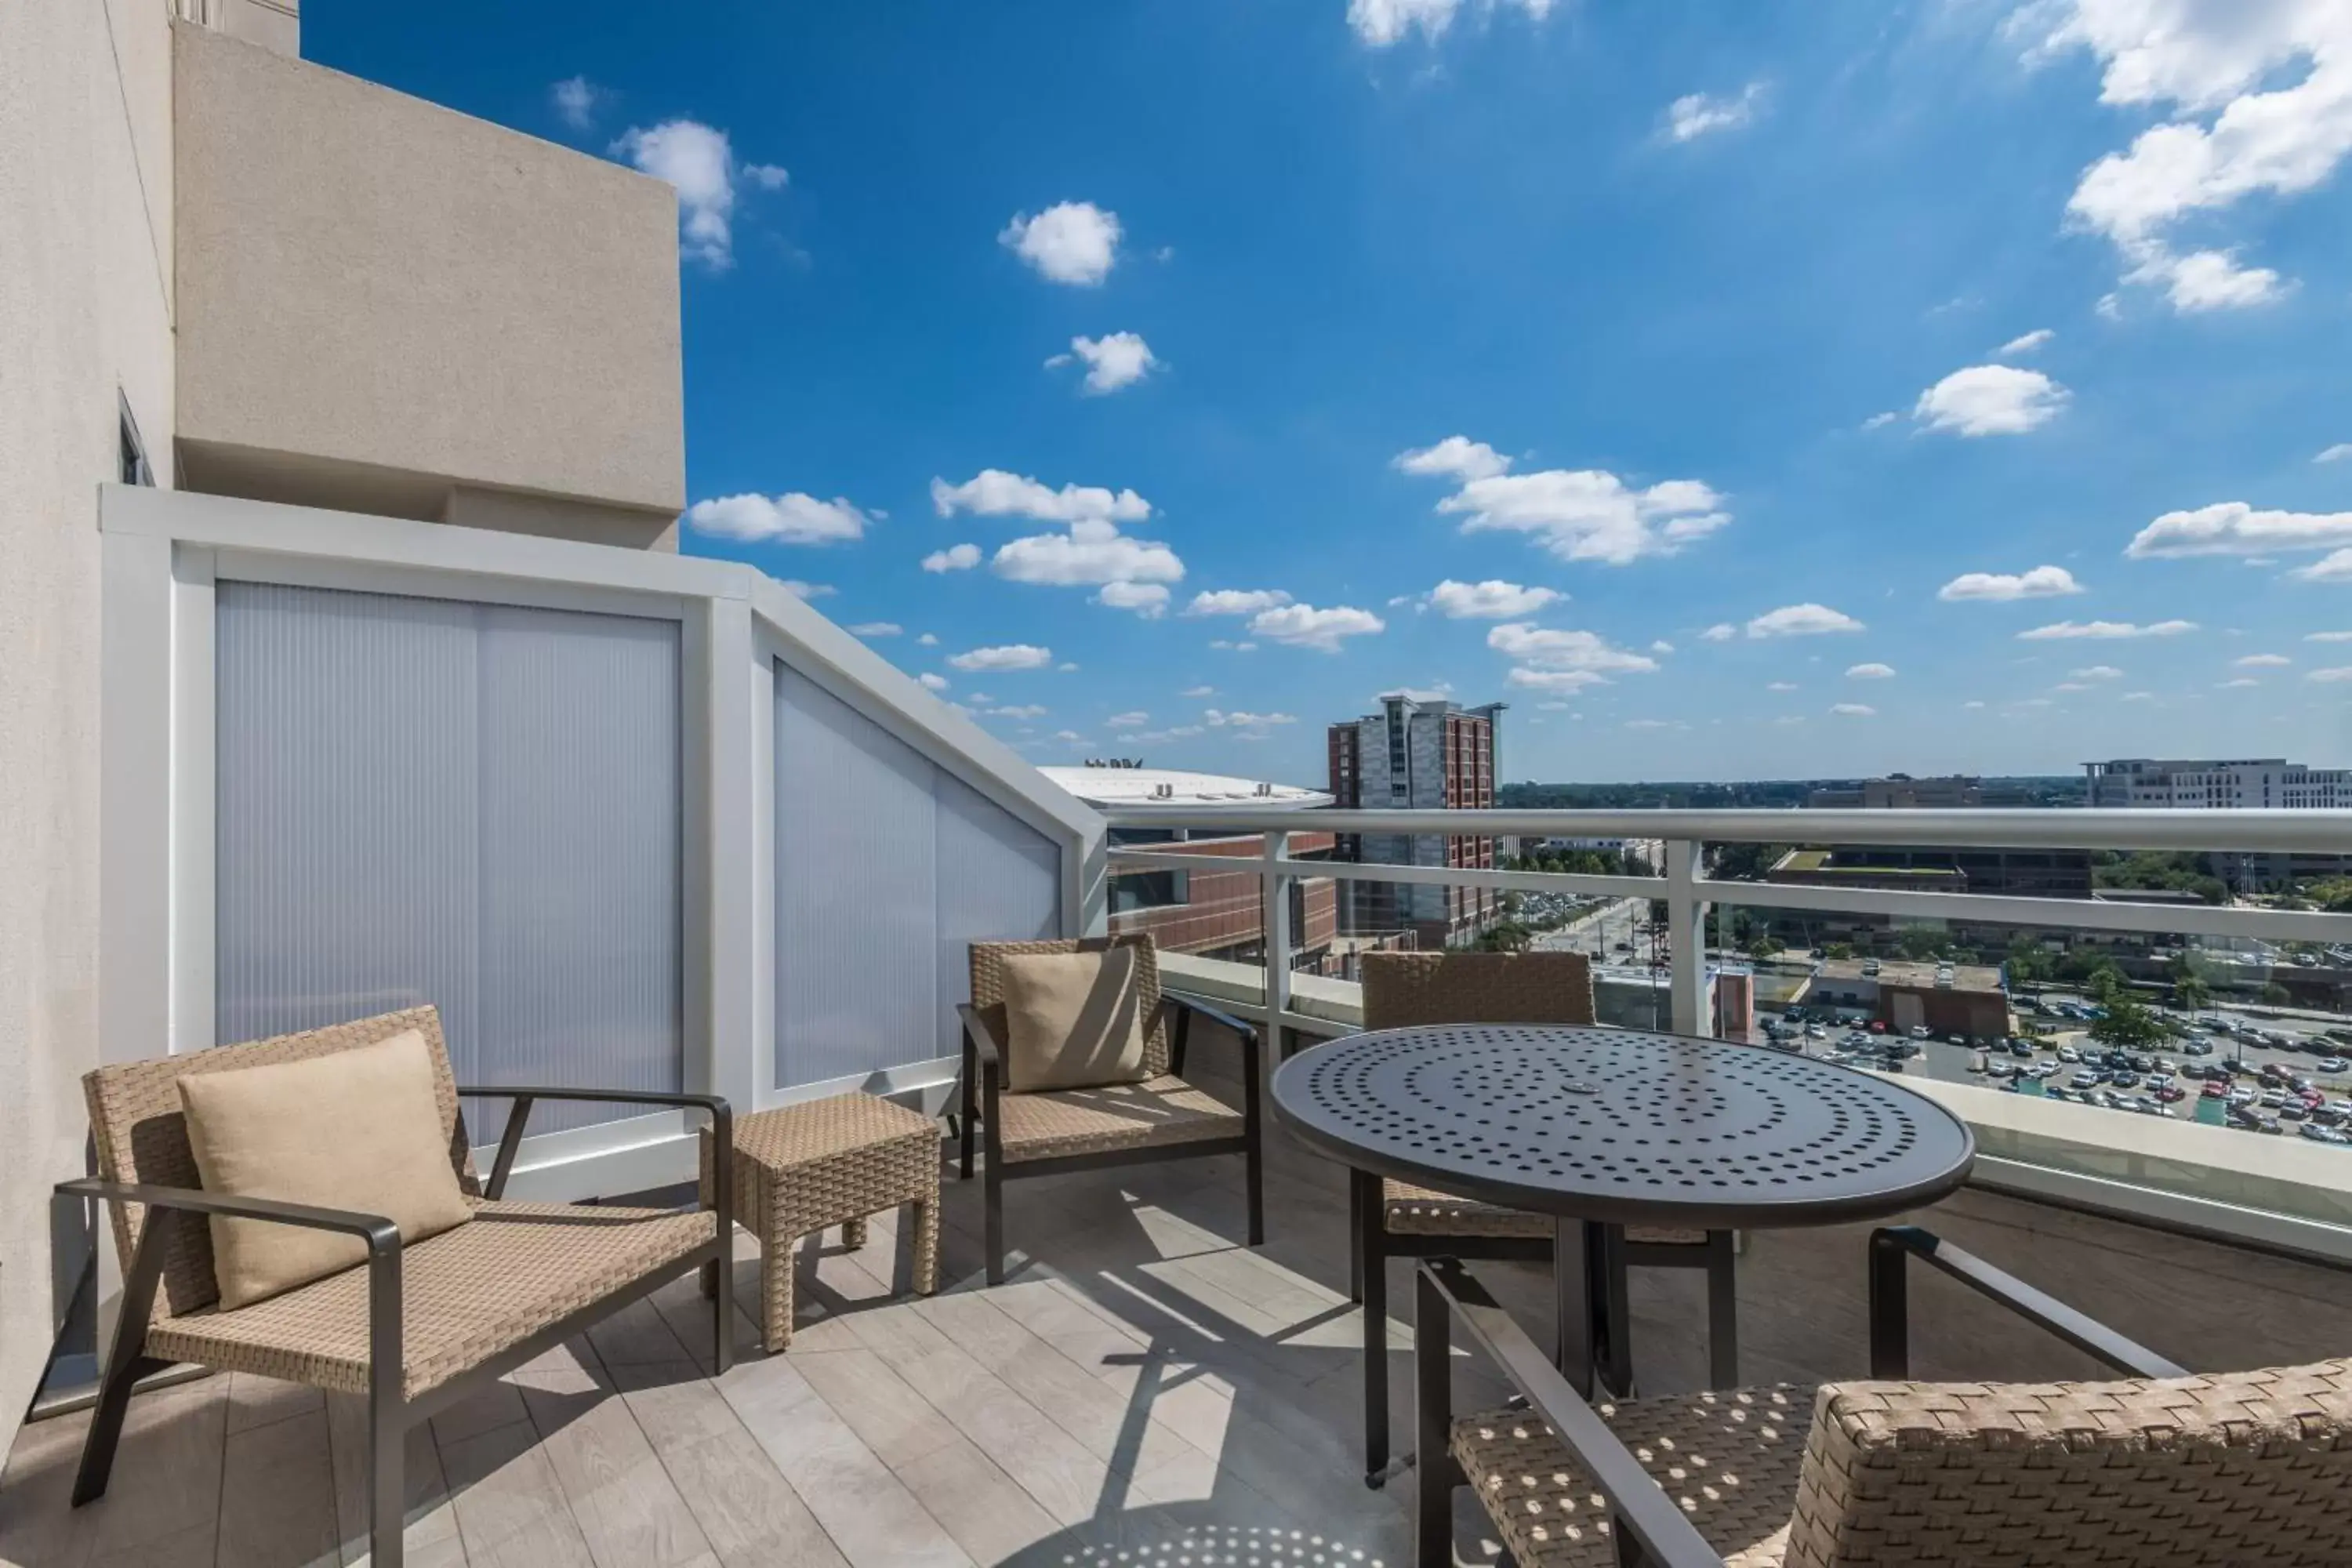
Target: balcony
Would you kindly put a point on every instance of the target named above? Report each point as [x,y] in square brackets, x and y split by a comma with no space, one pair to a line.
[759,882]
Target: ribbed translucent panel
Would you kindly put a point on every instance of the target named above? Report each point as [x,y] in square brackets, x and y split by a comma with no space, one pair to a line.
[886,868]
[473,806]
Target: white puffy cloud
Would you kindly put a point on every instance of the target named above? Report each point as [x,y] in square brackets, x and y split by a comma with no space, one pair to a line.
[877,630]
[2334,567]
[1236,601]
[2140,696]
[1148,600]
[575,98]
[933,682]
[1781,686]
[1089,553]
[2234,528]
[1561,680]
[2327,636]
[1697,114]
[2025,342]
[1881,419]
[1021,711]
[1069,242]
[1801,621]
[1549,648]
[1198,691]
[1584,514]
[1871,672]
[1491,600]
[1722,631]
[1246,720]
[1853,709]
[928,640]
[1010,656]
[2262,661]
[789,519]
[2040,582]
[1134,720]
[806,590]
[954,558]
[1990,400]
[697,161]
[2336,454]
[1113,361]
[1232,646]
[1661,646]
[2069,630]
[1380,23]
[1304,625]
[2260,97]
[993,492]
[2335,673]
[1456,458]
[2097,672]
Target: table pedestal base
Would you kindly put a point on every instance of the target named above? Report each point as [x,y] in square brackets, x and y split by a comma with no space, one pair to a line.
[1592,1329]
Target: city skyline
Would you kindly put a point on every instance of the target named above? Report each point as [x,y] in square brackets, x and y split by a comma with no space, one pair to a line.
[1736,395]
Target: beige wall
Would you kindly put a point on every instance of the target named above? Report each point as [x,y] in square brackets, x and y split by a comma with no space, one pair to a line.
[372,284]
[84,317]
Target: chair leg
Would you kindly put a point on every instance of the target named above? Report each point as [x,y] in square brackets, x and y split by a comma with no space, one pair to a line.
[776,1289]
[853,1234]
[994,1195]
[125,1366]
[1722,1311]
[387,1414]
[924,1241]
[1372,1246]
[1255,1175]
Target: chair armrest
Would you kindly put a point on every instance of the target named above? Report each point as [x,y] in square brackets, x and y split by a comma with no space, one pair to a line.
[1247,1031]
[722,1125]
[1891,1246]
[980,1036]
[1642,1508]
[380,1234]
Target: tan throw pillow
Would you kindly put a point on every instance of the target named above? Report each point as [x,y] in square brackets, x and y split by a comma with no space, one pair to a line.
[354,1130]
[1073,1020]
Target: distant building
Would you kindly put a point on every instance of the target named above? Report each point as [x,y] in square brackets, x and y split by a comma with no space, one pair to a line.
[2246,785]
[2026,873]
[1964,999]
[1209,913]
[1419,755]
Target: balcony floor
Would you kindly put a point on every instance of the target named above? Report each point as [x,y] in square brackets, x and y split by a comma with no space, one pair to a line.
[1143,1389]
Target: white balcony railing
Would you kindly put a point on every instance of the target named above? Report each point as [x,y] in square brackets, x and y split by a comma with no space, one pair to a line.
[2283,1191]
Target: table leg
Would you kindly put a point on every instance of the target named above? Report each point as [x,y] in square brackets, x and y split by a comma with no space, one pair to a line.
[1573,1303]
[1614,1330]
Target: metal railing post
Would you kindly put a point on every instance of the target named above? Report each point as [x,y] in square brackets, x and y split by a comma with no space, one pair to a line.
[1687,928]
[1274,887]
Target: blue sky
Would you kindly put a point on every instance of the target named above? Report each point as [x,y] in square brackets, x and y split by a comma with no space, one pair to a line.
[1759,378]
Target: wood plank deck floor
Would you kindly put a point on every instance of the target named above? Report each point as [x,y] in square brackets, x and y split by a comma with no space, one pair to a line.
[1142,1390]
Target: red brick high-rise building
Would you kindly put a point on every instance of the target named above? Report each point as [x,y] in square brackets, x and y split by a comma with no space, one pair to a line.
[1416,754]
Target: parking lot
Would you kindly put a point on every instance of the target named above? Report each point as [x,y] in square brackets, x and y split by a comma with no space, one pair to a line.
[2275,1085]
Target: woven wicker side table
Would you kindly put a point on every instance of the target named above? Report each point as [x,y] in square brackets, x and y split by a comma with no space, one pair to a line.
[802,1168]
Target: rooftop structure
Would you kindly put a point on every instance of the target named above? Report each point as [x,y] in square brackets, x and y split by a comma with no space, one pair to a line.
[1131,783]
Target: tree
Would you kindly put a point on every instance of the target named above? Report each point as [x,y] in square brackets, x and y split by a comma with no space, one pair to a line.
[2276,995]
[2190,994]
[2126,1024]
[1763,944]
[1838,950]
[1505,936]
[1920,942]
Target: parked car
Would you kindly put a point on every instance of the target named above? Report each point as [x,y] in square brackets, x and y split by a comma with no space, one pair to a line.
[2086,1079]
[2069,1054]
[1878,1025]
[2194,1048]
[2333,1065]
[2171,1093]
[1919,1031]
[2294,1110]
[2319,1134]
[2213,1091]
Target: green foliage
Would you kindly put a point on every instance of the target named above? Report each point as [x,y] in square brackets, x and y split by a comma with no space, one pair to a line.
[2334,895]
[1505,936]
[1922,943]
[2127,1024]
[2276,995]
[1746,862]
[2161,871]
[1838,950]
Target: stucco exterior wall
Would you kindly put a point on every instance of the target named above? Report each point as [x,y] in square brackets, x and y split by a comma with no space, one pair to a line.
[85,321]
[371,281]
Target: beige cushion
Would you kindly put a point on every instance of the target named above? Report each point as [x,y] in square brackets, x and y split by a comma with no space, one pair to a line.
[354,1130]
[1072,1020]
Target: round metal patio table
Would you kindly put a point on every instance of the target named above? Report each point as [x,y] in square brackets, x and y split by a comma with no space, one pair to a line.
[1604,1128]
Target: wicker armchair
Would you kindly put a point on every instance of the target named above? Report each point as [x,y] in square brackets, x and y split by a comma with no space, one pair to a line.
[1394,1219]
[414,1328]
[1059,1131]
[2164,1470]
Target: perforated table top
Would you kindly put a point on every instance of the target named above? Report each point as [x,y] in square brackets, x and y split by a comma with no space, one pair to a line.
[1623,1125]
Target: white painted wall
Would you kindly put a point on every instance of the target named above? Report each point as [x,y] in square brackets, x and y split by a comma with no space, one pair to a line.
[85,317]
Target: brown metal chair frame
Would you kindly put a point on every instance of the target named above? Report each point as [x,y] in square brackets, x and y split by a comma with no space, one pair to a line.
[984,1089]
[389,1413]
